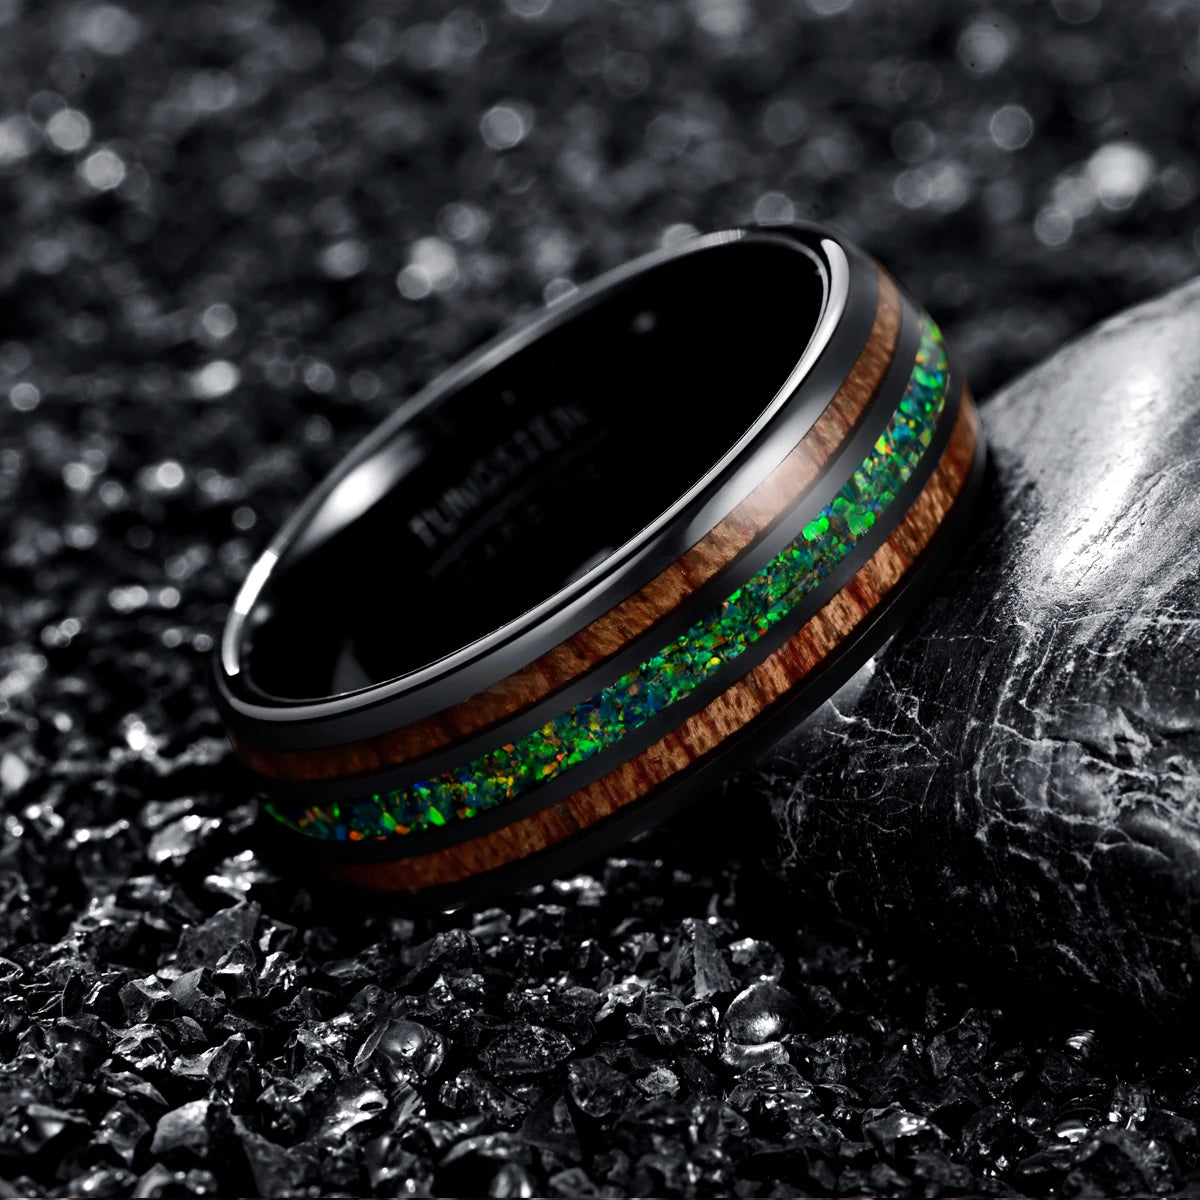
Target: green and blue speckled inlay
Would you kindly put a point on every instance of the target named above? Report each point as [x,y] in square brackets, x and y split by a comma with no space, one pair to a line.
[651,687]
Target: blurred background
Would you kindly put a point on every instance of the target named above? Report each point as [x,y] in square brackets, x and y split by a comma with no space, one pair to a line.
[235,233]
[232,235]
[277,218]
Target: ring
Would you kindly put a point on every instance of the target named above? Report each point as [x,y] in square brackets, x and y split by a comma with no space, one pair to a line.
[587,571]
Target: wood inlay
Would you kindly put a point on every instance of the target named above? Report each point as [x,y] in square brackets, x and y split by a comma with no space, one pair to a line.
[633,616]
[724,716]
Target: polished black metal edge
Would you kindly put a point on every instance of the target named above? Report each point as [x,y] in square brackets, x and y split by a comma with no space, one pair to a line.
[736,752]
[387,706]
[428,841]
[770,542]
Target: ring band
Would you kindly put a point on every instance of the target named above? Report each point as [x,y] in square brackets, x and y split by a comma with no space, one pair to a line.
[584,572]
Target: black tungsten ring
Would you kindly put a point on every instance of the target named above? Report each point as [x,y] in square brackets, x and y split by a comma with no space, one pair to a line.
[576,576]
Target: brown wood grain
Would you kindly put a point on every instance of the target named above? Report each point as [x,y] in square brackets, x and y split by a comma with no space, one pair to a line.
[633,616]
[724,716]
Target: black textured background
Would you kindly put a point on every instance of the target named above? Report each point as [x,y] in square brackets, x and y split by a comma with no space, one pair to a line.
[231,234]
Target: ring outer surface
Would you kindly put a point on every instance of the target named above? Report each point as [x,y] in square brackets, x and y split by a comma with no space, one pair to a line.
[534,836]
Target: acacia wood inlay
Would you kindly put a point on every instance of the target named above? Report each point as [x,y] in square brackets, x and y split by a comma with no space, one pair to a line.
[723,717]
[634,615]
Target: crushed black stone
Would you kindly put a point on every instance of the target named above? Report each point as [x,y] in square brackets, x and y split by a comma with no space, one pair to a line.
[234,234]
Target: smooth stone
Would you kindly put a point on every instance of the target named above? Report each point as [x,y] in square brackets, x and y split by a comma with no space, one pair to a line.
[1013,784]
[761,1013]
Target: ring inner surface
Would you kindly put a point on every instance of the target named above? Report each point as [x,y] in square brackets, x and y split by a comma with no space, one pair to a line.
[504,491]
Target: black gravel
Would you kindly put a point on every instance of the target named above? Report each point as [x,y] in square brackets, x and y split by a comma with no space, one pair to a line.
[232,235]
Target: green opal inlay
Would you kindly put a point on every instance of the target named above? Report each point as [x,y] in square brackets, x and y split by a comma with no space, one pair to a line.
[602,720]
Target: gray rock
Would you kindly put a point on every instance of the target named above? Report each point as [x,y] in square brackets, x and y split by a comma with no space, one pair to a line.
[188,1127]
[1015,780]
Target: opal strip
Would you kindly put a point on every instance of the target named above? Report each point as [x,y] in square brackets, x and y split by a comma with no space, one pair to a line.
[653,686]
